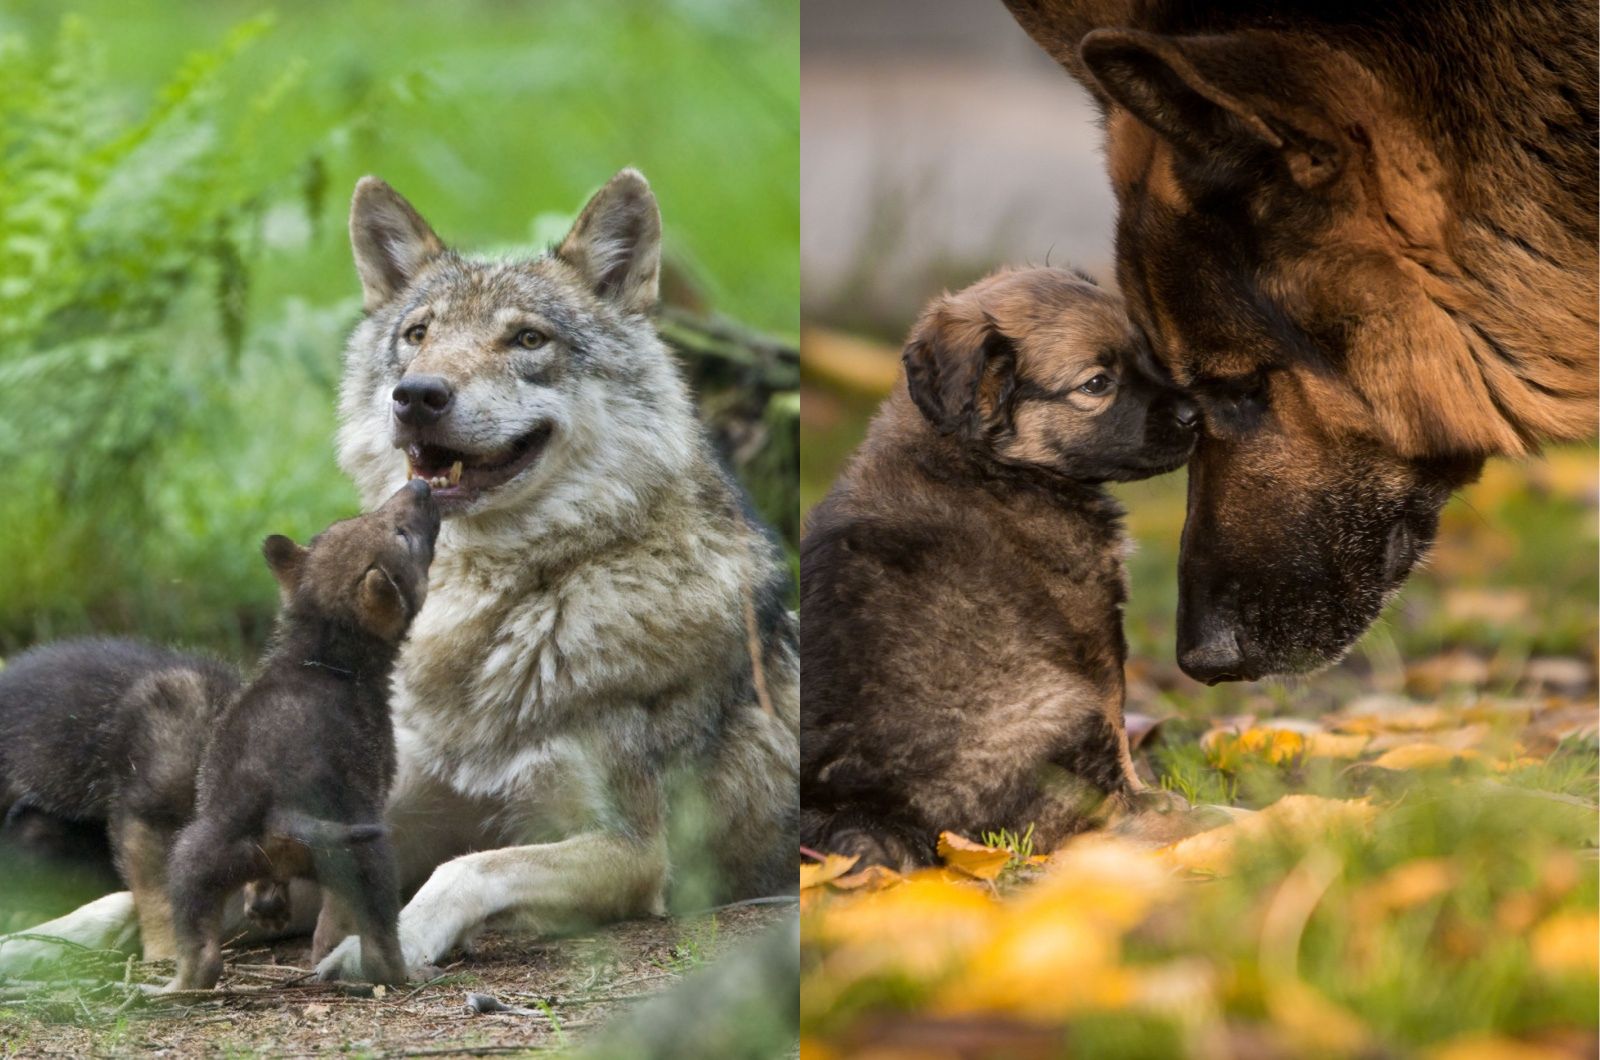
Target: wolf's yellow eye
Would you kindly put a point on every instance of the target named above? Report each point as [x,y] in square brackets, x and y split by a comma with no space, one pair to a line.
[530,339]
[415,333]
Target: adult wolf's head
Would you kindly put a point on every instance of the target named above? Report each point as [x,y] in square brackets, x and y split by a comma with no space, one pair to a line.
[530,389]
[1362,313]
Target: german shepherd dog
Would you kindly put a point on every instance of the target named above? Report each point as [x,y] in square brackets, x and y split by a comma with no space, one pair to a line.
[961,616]
[1364,236]
[597,709]
[297,767]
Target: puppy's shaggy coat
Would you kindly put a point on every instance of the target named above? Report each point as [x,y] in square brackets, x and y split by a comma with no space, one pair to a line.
[962,582]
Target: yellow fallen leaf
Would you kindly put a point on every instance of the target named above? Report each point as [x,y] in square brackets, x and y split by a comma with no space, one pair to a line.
[1492,1047]
[917,928]
[1226,750]
[871,878]
[1423,756]
[814,874]
[1491,607]
[1566,944]
[1303,816]
[1388,713]
[1311,1024]
[1336,745]
[1412,884]
[974,859]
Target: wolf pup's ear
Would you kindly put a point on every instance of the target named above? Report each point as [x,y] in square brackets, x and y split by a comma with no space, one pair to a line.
[616,243]
[961,371]
[383,609]
[287,561]
[390,239]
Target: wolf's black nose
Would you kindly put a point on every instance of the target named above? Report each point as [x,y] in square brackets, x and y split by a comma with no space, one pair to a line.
[1186,412]
[421,399]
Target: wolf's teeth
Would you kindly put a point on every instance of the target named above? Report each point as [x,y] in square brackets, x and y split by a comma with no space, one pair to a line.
[455,472]
[439,482]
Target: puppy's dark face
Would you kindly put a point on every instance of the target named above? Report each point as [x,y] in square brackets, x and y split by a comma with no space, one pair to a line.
[370,571]
[1040,369]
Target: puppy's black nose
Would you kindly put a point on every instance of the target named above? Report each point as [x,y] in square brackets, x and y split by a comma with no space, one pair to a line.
[421,400]
[1186,412]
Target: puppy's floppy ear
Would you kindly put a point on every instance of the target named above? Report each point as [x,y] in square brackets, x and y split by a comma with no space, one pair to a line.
[960,370]
[616,243]
[287,561]
[390,239]
[383,608]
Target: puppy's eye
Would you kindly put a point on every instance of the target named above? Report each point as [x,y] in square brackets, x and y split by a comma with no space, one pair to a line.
[402,535]
[415,333]
[1098,385]
[529,339]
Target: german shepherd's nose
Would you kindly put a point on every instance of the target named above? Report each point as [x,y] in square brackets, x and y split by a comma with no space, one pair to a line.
[420,400]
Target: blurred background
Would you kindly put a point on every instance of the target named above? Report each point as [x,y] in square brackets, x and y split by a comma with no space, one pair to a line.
[175,276]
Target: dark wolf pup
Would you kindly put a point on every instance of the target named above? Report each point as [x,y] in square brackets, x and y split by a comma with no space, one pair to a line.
[962,584]
[100,738]
[294,777]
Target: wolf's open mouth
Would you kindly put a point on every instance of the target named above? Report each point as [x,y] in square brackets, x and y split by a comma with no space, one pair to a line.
[456,475]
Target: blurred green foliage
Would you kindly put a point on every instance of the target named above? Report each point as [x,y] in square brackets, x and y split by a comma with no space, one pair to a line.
[175,282]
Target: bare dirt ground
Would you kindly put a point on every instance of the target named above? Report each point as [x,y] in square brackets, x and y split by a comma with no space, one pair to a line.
[267,1006]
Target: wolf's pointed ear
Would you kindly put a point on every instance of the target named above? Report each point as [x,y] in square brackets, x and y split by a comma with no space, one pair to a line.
[1209,96]
[960,370]
[616,243]
[287,561]
[390,239]
[382,607]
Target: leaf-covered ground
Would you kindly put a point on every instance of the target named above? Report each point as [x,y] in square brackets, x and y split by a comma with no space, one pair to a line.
[1400,858]
[560,993]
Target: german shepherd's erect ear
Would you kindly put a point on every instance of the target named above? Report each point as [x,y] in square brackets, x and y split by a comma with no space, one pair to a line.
[961,371]
[616,243]
[390,239]
[1207,95]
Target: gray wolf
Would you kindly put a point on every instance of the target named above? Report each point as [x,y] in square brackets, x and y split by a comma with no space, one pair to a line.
[597,709]
[296,768]
[962,583]
[1364,236]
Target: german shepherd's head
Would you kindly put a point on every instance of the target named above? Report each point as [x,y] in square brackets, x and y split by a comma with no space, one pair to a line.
[1290,242]
[1038,373]
[529,391]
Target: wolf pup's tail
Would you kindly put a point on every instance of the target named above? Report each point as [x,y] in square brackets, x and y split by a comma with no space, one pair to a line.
[320,832]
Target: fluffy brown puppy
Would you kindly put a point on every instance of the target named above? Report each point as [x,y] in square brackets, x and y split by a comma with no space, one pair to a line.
[962,584]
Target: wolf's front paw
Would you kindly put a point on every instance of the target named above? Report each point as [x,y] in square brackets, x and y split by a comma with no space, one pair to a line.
[343,962]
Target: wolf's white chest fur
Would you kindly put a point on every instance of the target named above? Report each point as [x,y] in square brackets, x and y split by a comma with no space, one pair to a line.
[483,688]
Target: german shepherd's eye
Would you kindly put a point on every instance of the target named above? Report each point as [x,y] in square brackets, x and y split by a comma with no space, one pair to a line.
[414,334]
[1100,384]
[529,339]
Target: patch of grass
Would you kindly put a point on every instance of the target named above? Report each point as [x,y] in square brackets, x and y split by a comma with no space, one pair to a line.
[1020,846]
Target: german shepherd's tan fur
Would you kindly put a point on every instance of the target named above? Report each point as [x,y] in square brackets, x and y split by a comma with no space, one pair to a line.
[1364,234]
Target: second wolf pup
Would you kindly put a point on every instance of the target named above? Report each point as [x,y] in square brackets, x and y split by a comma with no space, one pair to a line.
[962,584]
[295,774]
